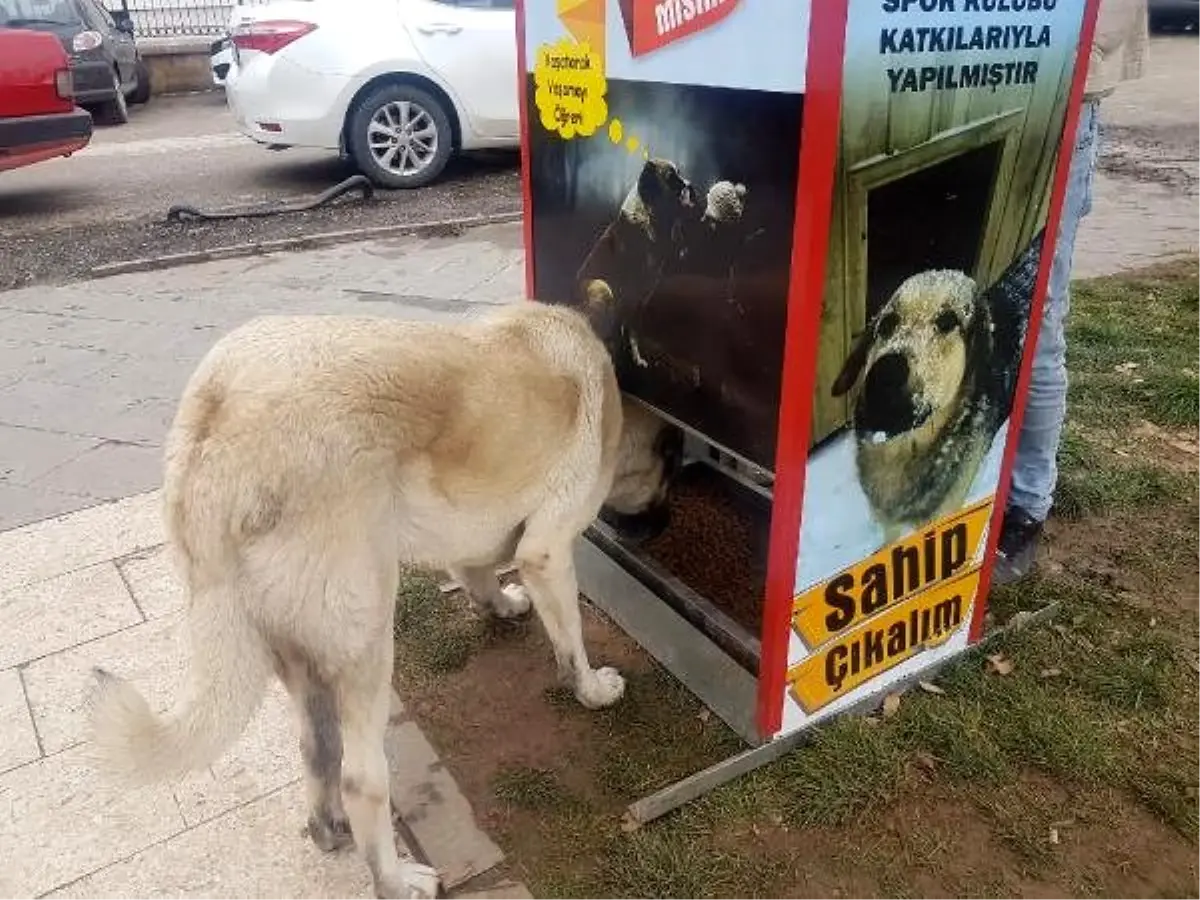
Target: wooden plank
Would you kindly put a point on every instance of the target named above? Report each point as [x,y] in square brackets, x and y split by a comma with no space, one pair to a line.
[433,809]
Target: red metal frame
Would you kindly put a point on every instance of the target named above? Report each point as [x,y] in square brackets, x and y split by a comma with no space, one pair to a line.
[820,135]
[523,113]
[1062,172]
[814,209]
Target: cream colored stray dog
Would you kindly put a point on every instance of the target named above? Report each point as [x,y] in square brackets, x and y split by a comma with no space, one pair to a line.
[309,458]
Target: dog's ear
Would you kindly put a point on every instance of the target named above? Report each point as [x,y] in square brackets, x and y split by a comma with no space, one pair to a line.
[650,183]
[981,337]
[855,360]
[669,447]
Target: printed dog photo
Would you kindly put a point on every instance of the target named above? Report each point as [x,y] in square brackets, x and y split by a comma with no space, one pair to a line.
[679,250]
[930,380]
[935,375]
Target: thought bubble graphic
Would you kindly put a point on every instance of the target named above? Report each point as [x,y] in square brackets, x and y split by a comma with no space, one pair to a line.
[570,88]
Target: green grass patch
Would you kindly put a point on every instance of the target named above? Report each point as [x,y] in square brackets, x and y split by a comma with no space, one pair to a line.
[1106,489]
[1132,347]
[432,631]
[531,789]
[1097,717]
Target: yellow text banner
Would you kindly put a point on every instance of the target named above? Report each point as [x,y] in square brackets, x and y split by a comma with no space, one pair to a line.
[915,564]
[926,620]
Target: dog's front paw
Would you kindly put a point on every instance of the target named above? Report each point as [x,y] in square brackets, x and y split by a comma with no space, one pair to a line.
[512,602]
[413,882]
[600,688]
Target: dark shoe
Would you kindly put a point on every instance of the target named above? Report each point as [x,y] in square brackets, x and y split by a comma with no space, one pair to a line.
[1018,546]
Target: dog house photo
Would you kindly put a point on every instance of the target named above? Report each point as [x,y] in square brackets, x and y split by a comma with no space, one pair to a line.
[814,238]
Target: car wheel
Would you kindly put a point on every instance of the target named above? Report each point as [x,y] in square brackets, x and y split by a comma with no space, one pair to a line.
[400,136]
[141,93]
[115,111]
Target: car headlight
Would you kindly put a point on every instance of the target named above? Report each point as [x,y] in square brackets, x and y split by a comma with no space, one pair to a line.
[87,40]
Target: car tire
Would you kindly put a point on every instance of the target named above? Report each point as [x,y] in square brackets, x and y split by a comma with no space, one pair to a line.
[400,136]
[141,93]
[115,111]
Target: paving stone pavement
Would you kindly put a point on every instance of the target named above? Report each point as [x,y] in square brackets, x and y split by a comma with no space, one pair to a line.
[94,588]
[89,376]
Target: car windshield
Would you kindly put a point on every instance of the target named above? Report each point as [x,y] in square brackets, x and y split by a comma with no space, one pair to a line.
[17,13]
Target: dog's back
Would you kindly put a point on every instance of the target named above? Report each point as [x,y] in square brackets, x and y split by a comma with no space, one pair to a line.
[311,455]
[294,417]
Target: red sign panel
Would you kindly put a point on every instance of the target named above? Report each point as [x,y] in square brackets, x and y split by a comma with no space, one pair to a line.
[653,24]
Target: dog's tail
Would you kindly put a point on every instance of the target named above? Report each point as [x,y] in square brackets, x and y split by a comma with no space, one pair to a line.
[226,679]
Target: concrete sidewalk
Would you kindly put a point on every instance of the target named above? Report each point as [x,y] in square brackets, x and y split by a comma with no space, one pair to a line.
[90,372]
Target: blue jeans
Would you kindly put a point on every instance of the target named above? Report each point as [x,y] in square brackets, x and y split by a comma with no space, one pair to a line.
[1035,471]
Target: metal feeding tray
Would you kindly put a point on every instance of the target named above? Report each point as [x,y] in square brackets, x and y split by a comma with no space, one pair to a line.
[710,563]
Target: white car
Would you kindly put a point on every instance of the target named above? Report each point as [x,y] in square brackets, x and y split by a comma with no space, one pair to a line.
[221,50]
[396,85]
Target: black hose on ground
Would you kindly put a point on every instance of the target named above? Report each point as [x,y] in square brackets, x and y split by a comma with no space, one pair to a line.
[183,212]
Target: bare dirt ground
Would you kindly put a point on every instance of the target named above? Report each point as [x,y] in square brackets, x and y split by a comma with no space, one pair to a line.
[109,202]
[1069,768]
[1144,207]
[1150,125]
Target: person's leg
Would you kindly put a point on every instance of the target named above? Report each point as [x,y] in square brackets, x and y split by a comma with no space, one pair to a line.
[1035,470]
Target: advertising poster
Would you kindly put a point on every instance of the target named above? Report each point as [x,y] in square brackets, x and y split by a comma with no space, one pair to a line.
[662,150]
[952,116]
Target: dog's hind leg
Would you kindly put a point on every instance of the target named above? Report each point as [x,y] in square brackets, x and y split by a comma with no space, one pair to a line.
[320,748]
[488,597]
[364,698]
[548,571]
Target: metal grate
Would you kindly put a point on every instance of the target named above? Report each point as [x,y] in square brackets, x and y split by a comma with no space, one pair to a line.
[181,18]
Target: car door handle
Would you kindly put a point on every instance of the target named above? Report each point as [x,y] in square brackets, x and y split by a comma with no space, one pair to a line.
[439,28]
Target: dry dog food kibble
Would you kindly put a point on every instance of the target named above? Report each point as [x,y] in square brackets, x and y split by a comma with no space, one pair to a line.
[716,546]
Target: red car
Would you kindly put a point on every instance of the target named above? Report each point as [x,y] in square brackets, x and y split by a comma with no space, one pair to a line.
[38,116]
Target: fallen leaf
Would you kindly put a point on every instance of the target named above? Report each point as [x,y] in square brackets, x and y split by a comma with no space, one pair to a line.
[930,688]
[998,664]
[1050,673]
[891,705]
